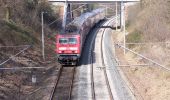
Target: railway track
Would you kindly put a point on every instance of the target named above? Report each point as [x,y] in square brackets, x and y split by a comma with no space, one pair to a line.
[92,80]
[103,64]
[64,83]
[92,61]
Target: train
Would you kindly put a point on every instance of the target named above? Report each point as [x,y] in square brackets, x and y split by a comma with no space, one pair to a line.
[69,43]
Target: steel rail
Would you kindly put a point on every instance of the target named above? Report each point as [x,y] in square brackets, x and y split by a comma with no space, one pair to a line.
[123,80]
[57,82]
[154,62]
[15,55]
[103,63]
[92,67]
[126,78]
[130,82]
[92,79]
[71,86]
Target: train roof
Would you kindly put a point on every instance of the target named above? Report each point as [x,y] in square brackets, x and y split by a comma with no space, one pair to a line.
[78,21]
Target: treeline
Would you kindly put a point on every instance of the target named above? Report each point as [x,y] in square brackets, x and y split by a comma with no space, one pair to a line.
[20,20]
[27,12]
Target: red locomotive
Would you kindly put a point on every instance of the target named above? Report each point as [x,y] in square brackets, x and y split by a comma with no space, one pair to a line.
[69,43]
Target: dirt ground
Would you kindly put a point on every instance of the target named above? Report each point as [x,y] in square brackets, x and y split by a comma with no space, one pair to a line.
[17,84]
[149,82]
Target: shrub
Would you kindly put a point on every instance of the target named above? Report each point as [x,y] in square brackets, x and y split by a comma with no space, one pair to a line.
[134,37]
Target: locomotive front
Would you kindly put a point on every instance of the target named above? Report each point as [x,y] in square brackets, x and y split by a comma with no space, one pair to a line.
[68,48]
[70,42]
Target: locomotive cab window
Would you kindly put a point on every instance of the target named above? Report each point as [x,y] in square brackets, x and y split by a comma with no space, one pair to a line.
[72,41]
[63,40]
[68,41]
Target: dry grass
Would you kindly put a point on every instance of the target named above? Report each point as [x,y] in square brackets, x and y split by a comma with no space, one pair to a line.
[149,82]
[151,20]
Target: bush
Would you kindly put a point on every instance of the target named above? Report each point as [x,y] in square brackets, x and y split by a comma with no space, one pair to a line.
[12,34]
[152,20]
[24,21]
[134,37]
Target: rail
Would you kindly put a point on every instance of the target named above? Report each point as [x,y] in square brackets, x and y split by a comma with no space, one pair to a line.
[103,63]
[71,86]
[57,80]
[53,94]
[118,80]
[92,79]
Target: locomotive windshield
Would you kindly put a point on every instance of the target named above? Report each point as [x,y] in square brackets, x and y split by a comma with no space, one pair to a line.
[63,40]
[72,40]
[68,40]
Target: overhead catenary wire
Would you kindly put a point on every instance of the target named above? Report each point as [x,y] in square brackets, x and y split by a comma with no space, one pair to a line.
[13,46]
[154,62]
[67,14]
[15,55]
[144,43]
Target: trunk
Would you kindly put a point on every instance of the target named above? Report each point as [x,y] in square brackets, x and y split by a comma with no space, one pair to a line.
[7,13]
[7,9]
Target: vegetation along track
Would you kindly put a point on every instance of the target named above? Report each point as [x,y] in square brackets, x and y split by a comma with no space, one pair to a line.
[63,85]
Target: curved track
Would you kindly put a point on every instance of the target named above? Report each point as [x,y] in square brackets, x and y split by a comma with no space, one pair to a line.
[64,81]
[84,84]
[102,57]
[118,86]
[105,73]
[92,80]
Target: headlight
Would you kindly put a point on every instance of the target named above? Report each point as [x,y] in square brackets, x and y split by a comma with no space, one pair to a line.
[59,51]
[76,51]
[62,48]
[73,48]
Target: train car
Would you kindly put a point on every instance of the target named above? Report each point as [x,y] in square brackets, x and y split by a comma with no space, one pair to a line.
[69,43]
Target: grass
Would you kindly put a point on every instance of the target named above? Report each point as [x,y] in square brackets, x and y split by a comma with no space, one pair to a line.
[134,37]
[20,33]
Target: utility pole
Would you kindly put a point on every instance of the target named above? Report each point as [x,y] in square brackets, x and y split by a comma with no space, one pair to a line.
[124,28]
[71,12]
[121,15]
[65,15]
[106,12]
[42,36]
[116,15]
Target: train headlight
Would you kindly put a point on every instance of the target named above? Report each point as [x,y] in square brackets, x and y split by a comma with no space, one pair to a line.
[73,48]
[76,51]
[62,48]
[59,51]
